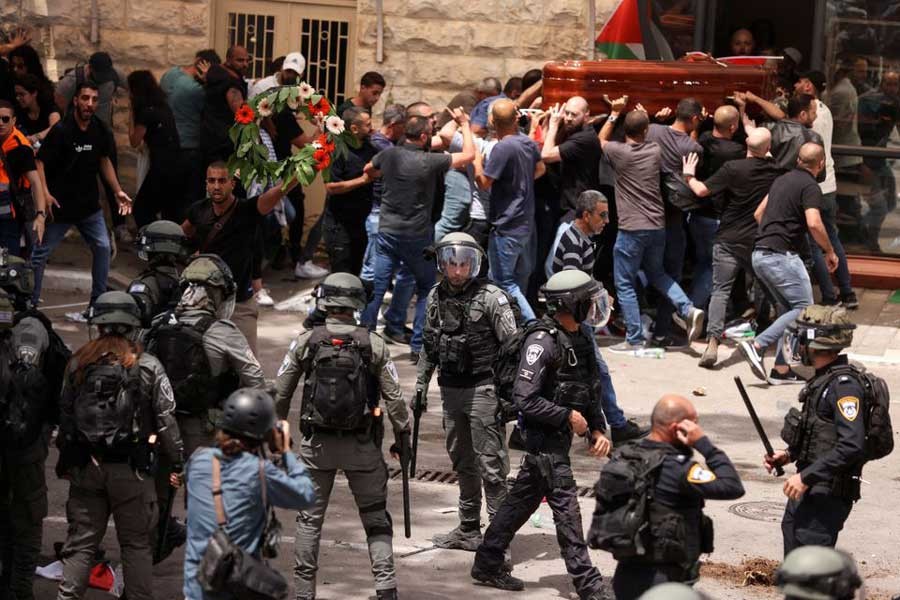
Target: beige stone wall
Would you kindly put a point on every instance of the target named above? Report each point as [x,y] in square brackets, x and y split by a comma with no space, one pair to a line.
[436,48]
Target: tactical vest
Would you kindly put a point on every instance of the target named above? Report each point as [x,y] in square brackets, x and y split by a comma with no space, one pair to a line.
[340,387]
[575,383]
[110,411]
[155,293]
[463,349]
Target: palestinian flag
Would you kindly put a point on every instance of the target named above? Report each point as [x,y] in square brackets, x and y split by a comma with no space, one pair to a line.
[621,36]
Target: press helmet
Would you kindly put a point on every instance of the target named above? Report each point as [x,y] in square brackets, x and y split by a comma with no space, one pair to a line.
[114,308]
[580,295]
[459,249]
[671,591]
[341,290]
[249,413]
[211,273]
[161,238]
[817,328]
[818,573]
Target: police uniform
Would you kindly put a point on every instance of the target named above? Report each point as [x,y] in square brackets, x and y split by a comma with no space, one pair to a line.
[557,374]
[829,449]
[155,291]
[462,335]
[680,492]
[356,453]
[100,486]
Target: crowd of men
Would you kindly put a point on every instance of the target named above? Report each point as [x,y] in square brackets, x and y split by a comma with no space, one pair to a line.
[508,201]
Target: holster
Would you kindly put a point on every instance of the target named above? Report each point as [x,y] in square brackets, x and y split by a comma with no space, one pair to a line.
[707,535]
[144,458]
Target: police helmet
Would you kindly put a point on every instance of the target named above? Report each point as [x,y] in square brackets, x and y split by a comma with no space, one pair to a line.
[7,311]
[161,238]
[671,591]
[459,249]
[16,276]
[818,328]
[115,308]
[341,290]
[249,413]
[213,274]
[818,573]
[580,295]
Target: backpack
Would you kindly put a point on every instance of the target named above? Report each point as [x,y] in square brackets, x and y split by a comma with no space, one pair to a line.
[107,407]
[877,406]
[506,364]
[340,387]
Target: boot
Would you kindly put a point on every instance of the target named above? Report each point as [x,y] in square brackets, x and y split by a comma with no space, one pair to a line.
[500,580]
[390,594]
[711,354]
[465,537]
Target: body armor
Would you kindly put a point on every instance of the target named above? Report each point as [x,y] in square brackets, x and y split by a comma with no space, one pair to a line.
[155,292]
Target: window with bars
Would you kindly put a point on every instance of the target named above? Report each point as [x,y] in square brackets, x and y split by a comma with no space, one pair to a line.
[325,44]
[256,33]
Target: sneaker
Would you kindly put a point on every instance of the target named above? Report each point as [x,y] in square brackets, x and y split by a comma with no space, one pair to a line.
[850,301]
[752,356]
[665,342]
[776,378]
[829,301]
[627,347]
[78,317]
[263,298]
[308,270]
[394,337]
[459,539]
[710,355]
[123,235]
[390,594]
[630,431]
[500,580]
[692,324]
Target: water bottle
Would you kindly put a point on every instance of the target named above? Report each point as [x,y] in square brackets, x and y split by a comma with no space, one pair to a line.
[650,353]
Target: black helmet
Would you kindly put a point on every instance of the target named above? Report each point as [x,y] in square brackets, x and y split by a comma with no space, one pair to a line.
[249,413]
[341,290]
[161,238]
[115,308]
[580,295]
[16,275]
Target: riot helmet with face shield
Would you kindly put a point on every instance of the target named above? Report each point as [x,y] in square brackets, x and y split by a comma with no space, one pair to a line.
[208,284]
[114,313]
[817,328]
[340,291]
[578,294]
[161,238]
[459,258]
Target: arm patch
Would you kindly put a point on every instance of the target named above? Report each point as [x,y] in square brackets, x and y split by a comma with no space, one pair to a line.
[697,474]
[848,406]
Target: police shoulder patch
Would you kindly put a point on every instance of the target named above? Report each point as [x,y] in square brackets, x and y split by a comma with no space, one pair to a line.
[848,406]
[698,474]
[501,300]
[526,374]
[392,370]
[533,353]
[137,288]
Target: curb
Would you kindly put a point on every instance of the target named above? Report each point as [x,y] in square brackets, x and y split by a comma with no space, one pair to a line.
[79,281]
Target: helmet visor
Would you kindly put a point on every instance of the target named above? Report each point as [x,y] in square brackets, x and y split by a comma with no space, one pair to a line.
[793,344]
[457,262]
[599,309]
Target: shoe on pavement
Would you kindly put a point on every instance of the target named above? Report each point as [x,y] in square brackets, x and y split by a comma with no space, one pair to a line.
[630,431]
[78,317]
[500,580]
[692,324]
[398,337]
[710,355]
[776,378]
[308,270]
[850,301]
[390,594]
[263,298]
[665,342]
[459,539]
[627,347]
[753,358]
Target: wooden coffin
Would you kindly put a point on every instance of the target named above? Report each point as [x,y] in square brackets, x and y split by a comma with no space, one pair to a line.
[655,84]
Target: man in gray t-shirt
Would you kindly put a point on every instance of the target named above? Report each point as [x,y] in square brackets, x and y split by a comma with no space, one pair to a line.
[103,74]
[641,240]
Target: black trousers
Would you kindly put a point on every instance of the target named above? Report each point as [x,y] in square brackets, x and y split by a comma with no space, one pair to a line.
[346,241]
[522,500]
[633,579]
[814,520]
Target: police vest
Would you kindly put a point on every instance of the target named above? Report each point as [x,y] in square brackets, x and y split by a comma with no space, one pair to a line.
[575,383]
[155,293]
[340,388]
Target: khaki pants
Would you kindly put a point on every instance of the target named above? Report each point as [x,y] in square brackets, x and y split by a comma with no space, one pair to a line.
[245,317]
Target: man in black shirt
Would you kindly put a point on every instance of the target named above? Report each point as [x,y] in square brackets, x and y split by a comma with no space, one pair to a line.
[75,151]
[226,225]
[576,147]
[735,190]
[226,90]
[350,198]
[786,215]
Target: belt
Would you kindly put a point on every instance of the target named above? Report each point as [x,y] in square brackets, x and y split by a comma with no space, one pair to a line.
[767,251]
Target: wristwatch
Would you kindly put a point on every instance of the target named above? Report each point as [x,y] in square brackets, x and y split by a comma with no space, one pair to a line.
[612,118]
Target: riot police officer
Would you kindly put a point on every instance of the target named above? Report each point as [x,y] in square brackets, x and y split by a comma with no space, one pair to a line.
[827,436]
[466,320]
[156,289]
[653,492]
[818,573]
[557,394]
[116,409]
[32,362]
[346,369]
[672,591]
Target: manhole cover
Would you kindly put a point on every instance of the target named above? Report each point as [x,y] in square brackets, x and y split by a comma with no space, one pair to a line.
[770,512]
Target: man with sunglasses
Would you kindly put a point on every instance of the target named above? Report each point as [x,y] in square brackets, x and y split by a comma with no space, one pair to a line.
[18,174]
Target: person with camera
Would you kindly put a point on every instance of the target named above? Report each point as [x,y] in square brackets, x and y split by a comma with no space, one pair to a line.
[116,411]
[233,487]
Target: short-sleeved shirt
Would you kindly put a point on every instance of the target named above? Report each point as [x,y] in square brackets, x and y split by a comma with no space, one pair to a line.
[479,114]
[30,126]
[716,152]
[161,137]
[638,201]
[352,208]
[381,142]
[106,92]
[217,116]
[580,156]
[410,177]
[739,186]
[186,98]
[286,129]
[673,145]
[234,241]
[783,226]
[787,138]
[511,166]
[71,160]
[574,251]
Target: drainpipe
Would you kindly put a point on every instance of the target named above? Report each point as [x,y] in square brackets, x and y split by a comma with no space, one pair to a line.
[591,30]
[379,31]
[95,22]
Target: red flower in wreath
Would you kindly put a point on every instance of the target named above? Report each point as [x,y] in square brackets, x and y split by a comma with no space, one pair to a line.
[322,140]
[323,164]
[322,107]
[244,114]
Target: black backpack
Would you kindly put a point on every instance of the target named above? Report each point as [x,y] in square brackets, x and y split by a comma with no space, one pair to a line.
[876,410]
[340,387]
[506,364]
[108,408]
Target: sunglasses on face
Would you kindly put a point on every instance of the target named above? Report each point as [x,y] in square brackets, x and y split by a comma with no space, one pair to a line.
[5,118]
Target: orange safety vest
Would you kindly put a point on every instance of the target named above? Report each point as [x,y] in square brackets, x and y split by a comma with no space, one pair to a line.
[12,142]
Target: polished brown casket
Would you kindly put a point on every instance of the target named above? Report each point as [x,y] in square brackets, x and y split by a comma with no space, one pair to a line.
[655,84]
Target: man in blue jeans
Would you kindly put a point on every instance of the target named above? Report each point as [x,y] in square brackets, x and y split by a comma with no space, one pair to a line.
[74,152]
[786,216]
[409,181]
[641,240]
[509,174]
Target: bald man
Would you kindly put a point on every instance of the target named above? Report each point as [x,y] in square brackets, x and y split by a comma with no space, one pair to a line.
[785,216]
[742,43]
[735,191]
[514,164]
[676,507]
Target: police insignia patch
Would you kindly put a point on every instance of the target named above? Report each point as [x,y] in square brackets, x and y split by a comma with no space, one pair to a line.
[392,371]
[698,474]
[526,374]
[533,353]
[137,288]
[502,300]
[849,407]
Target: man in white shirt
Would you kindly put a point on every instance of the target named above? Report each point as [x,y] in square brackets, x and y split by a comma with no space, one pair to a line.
[291,70]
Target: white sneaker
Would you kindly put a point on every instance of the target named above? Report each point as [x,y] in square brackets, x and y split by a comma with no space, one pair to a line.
[77,317]
[308,270]
[263,298]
